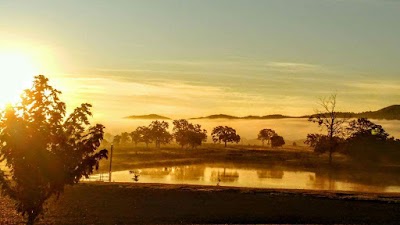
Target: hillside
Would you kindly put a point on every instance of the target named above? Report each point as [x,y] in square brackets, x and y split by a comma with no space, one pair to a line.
[148,117]
[388,113]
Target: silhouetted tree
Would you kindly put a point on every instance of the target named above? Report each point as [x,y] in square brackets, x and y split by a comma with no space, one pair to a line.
[159,133]
[266,135]
[136,136]
[43,149]
[125,138]
[277,141]
[368,141]
[225,134]
[364,127]
[145,135]
[321,143]
[117,140]
[328,120]
[188,134]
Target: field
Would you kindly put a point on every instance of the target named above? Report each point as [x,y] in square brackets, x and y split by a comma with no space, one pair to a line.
[102,203]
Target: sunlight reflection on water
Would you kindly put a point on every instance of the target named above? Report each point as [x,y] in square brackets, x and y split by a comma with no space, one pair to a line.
[275,177]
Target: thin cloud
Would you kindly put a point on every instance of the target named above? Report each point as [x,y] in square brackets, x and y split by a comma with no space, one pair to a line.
[293,67]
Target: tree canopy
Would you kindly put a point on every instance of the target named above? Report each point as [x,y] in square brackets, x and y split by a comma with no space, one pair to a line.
[266,135]
[43,149]
[277,141]
[188,134]
[225,134]
[159,133]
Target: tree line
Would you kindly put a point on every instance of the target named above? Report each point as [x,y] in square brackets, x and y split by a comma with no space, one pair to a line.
[189,135]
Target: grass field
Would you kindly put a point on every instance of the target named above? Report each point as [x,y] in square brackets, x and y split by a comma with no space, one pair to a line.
[102,203]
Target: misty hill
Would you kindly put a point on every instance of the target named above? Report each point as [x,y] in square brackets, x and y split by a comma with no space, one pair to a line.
[224,116]
[388,113]
[148,117]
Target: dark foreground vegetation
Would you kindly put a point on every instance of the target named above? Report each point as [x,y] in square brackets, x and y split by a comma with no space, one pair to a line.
[102,203]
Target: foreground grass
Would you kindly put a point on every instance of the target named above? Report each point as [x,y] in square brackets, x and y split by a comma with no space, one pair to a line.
[102,203]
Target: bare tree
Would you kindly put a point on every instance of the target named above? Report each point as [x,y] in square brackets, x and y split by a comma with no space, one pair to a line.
[327,119]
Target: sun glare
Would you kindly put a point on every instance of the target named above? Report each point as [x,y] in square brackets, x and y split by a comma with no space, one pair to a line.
[16,72]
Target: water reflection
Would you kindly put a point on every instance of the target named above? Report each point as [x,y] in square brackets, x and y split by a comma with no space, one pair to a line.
[275,174]
[224,176]
[274,177]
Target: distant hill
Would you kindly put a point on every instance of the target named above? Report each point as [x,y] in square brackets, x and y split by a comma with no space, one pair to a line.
[217,116]
[388,113]
[224,116]
[148,117]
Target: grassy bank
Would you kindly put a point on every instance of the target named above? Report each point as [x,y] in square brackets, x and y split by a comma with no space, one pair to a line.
[103,203]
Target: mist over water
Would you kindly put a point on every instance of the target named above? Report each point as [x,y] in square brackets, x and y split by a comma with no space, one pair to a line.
[292,129]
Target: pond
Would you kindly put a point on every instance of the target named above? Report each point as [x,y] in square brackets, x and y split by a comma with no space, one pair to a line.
[274,177]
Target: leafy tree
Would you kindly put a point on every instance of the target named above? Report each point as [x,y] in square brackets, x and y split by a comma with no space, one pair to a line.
[159,133]
[125,138]
[266,135]
[321,143]
[136,136]
[43,149]
[368,141]
[277,141]
[328,119]
[117,140]
[225,134]
[364,127]
[145,135]
[188,134]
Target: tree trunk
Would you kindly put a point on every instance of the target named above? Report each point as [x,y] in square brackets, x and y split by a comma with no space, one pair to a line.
[225,144]
[31,218]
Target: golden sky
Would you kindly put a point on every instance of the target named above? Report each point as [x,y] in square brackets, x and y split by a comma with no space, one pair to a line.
[200,57]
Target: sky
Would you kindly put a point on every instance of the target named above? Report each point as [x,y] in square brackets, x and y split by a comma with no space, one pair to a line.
[198,57]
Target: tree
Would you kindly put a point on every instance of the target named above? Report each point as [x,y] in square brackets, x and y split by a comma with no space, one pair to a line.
[321,143]
[328,119]
[145,135]
[159,133]
[188,134]
[266,135]
[136,136]
[44,150]
[117,140]
[364,127]
[225,134]
[277,141]
[125,138]
[368,141]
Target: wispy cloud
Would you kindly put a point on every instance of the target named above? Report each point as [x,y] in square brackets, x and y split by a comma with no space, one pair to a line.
[294,67]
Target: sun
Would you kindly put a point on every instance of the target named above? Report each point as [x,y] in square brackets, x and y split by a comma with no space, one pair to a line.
[16,74]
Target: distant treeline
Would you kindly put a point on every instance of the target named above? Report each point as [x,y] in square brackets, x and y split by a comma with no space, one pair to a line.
[187,134]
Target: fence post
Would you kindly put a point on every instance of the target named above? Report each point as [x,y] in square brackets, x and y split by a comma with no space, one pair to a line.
[111,156]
